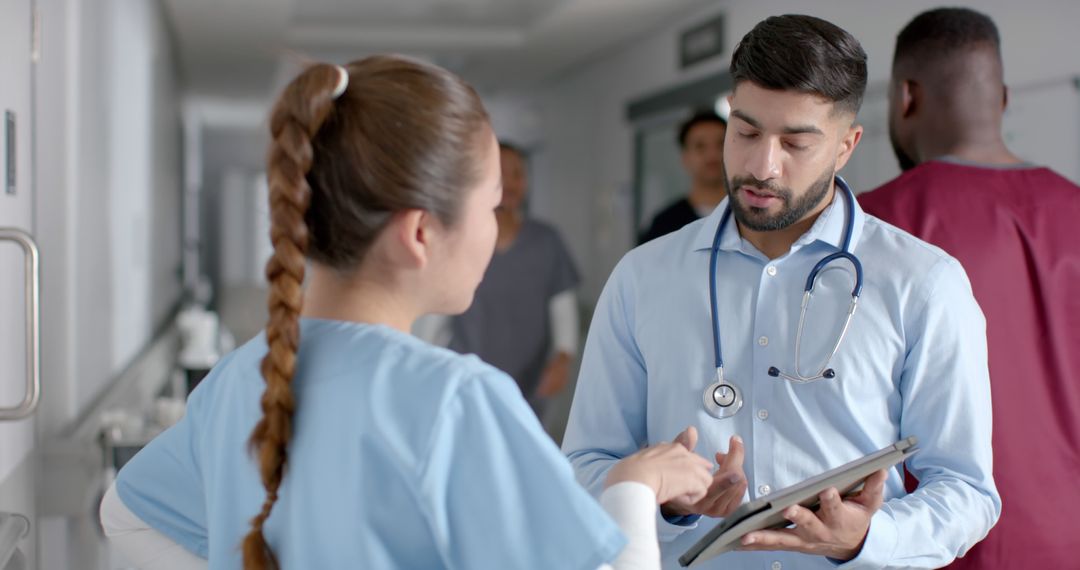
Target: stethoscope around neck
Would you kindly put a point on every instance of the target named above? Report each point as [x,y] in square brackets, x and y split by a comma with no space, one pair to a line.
[723,399]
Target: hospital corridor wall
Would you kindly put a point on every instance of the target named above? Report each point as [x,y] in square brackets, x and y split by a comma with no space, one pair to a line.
[99,174]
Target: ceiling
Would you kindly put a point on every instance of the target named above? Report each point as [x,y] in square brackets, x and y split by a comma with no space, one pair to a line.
[244,49]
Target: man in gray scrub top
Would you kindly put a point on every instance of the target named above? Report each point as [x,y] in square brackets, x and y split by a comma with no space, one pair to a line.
[524,319]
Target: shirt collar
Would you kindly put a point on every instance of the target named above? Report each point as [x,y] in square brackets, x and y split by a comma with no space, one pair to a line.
[707,231]
[828,228]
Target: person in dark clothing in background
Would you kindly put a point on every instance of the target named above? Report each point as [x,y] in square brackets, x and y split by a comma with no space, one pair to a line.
[701,139]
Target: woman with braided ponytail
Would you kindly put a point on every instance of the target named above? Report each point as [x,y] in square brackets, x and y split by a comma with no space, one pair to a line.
[336,439]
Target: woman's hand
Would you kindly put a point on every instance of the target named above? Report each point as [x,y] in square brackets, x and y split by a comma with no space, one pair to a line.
[670,469]
[728,482]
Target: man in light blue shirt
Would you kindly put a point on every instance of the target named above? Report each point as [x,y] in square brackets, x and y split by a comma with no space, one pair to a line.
[913,362]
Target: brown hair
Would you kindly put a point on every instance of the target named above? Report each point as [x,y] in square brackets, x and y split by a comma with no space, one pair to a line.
[402,136]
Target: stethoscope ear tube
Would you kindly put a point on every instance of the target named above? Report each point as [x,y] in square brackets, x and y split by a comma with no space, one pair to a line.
[811,279]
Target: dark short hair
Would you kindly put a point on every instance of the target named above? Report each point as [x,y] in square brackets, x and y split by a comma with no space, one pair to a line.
[704,116]
[943,31]
[806,54]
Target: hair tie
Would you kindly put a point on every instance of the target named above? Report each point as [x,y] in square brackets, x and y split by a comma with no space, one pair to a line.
[343,82]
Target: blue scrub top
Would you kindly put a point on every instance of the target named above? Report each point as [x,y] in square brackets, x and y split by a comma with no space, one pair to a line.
[403,455]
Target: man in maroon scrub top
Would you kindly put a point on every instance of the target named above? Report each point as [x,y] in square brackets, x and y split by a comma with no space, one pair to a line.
[1014,227]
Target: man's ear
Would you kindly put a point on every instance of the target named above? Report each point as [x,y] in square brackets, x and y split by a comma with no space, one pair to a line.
[910,97]
[848,143]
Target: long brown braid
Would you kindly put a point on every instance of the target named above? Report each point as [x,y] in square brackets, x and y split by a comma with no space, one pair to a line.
[296,118]
[403,136]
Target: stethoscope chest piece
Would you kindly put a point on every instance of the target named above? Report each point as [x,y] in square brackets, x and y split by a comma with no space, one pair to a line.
[722,399]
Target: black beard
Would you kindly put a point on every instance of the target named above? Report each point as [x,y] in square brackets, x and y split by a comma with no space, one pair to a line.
[757,220]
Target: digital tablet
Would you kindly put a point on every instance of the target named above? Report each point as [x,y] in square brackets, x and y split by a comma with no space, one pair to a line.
[768,512]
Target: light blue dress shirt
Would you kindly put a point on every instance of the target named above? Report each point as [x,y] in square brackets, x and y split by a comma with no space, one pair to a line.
[913,363]
[403,456]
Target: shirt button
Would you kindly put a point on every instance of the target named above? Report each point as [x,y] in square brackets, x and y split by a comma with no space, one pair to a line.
[763,415]
[771,270]
[777,565]
[763,341]
[764,490]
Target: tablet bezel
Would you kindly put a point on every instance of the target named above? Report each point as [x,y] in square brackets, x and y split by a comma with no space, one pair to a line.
[768,512]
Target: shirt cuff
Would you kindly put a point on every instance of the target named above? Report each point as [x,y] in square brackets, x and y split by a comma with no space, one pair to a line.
[880,545]
[632,505]
[668,529]
[631,502]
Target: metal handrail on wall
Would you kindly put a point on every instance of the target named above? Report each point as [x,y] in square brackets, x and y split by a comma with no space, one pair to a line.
[33,336]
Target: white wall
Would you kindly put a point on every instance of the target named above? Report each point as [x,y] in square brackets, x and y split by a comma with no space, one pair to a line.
[87,279]
[108,166]
[129,91]
[107,142]
[588,144]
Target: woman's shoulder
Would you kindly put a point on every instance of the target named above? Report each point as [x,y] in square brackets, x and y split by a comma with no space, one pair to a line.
[378,351]
[356,362]
[373,383]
